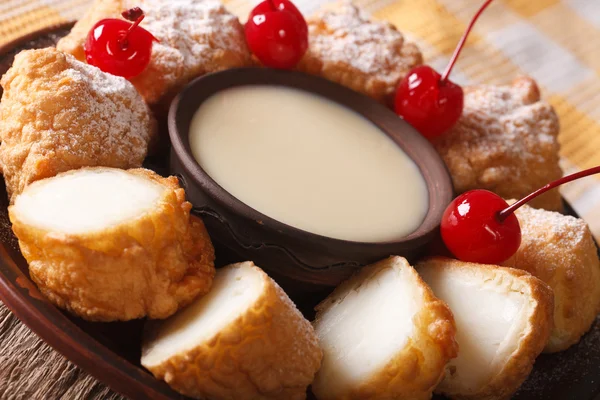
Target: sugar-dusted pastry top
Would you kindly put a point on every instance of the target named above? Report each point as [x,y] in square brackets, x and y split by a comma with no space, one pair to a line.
[195,37]
[560,250]
[506,142]
[368,56]
[59,114]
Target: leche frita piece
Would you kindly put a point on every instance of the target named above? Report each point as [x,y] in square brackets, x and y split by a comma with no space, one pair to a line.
[195,37]
[503,321]
[384,335]
[560,250]
[58,114]
[506,142]
[244,340]
[370,57]
[113,245]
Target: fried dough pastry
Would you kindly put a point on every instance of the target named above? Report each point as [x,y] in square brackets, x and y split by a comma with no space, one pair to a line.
[108,244]
[384,336]
[503,320]
[560,250]
[370,57]
[58,114]
[506,142]
[244,340]
[195,37]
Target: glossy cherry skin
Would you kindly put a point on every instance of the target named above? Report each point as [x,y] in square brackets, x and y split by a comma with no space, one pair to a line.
[277,34]
[107,48]
[429,105]
[472,232]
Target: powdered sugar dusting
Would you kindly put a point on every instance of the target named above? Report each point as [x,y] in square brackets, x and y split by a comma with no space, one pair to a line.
[370,57]
[508,112]
[568,231]
[115,110]
[59,114]
[102,83]
[189,30]
[180,23]
[346,35]
[195,37]
[505,141]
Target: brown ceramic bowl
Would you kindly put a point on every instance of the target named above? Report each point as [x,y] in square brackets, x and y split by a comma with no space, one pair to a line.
[286,252]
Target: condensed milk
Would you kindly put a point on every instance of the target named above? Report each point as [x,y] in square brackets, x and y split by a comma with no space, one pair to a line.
[308,162]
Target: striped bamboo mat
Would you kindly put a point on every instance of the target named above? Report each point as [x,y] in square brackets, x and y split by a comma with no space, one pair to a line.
[555,41]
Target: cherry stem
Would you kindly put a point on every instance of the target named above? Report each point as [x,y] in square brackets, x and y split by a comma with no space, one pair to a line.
[123,39]
[462,41]
[502,215]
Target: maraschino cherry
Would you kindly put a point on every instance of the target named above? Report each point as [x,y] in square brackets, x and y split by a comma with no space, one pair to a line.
[277,34]
[119,47]
[479,226]
[431,102]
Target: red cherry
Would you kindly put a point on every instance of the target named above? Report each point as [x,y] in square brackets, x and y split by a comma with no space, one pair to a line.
[472,231]
[430,102]
[119,47]
[479,226]
[427,103]
[277,34]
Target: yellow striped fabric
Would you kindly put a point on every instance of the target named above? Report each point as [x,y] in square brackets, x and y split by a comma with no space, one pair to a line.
[555,41]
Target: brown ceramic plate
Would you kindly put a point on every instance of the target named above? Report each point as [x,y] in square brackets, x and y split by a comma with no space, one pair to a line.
[111,351]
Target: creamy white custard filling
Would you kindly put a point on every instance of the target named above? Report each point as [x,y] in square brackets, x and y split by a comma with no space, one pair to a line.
[367,326]
[86,200]
[491,317]
[309,162]
[234,291]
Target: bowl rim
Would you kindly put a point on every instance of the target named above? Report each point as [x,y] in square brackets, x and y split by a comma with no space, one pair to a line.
[390,124]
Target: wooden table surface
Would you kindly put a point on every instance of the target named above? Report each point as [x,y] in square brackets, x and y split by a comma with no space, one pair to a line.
[31,370]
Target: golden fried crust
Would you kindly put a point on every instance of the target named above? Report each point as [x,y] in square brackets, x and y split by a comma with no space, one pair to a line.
[560,250]
[150,266]
[367,56]
[269,352]
[506,142]
[509,378]
[415,371]
[195,37]
[58,114]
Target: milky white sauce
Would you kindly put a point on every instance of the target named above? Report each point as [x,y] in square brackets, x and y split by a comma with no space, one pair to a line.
[309,162]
